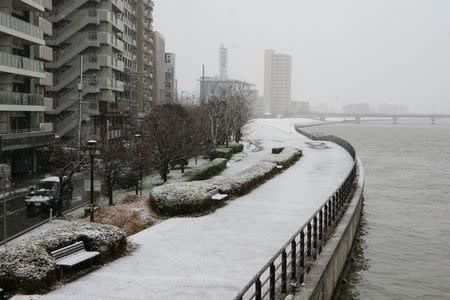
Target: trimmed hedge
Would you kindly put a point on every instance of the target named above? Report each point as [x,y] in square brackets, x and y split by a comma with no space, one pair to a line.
[186,198]
[28,266]
[277,150]
[227,152]
[207,170]
[236,147]
[221,152]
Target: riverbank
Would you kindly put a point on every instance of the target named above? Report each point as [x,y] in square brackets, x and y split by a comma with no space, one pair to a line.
[214,256]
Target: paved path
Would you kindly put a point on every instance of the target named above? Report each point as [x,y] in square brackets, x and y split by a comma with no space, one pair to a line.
[214,256]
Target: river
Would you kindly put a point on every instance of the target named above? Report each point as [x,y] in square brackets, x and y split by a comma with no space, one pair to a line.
[403,247]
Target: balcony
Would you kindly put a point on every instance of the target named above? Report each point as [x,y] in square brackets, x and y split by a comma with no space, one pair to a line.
[119,5]
[26,138]
[111,107]
[14,64]
[34,4]
[10,101]
[46,26]
[48,80]
[21,29]
[47,4]
[106,83]
[45,53]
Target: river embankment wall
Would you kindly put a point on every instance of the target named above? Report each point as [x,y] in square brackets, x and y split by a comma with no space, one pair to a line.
[326,270]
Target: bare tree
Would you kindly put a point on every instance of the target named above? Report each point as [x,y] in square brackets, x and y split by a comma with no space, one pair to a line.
[217,115]
[239,111]
[111,162]
[165,137]
[64,162]
[199,130]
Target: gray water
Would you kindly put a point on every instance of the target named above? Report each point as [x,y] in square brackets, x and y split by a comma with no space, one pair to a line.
[403,249]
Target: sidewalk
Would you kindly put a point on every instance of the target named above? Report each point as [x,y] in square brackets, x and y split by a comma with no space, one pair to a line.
[214,256]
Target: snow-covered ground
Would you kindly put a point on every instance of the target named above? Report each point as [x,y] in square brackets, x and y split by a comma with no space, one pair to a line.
[214,256]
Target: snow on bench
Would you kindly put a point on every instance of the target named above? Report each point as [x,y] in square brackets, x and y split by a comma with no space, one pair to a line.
[72,255]
[216,196]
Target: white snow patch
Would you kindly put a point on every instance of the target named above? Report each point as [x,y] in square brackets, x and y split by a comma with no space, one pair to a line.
[214,256]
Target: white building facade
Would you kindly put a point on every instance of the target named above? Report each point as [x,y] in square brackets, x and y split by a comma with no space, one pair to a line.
[277,82]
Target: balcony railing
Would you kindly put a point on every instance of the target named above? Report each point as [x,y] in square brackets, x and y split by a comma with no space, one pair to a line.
[23,27]
[20,62]
[11,98]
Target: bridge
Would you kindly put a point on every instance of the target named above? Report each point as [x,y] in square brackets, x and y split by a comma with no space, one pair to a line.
[357,117]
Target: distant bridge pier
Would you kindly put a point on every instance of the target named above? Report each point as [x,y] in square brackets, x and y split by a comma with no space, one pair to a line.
[433,120]
[358,118]
[395,120]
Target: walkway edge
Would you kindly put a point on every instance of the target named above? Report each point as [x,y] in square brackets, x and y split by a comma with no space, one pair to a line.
[325,272]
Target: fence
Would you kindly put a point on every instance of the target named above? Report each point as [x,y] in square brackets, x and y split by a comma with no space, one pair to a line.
[287,269]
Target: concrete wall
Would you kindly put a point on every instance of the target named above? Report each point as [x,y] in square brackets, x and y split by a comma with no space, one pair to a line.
[325,273]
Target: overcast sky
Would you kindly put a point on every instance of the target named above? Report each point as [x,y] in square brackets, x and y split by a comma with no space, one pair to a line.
[377,51]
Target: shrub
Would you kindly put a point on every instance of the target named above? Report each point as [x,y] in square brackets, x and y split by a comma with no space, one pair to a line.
[127,179]
[27,265]
[190,197]
[277,150]
[208,169]
[236,147]
[221,152]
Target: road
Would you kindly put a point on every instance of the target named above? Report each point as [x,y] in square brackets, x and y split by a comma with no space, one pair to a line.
[17,219]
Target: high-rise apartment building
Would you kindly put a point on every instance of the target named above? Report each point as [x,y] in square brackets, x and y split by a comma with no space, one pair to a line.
[23,51]
[88,62]
[159,68]
[277,82]
[171,81]
[145,55]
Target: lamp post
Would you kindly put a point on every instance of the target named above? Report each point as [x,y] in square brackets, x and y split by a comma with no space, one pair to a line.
[138,138]
[92,148]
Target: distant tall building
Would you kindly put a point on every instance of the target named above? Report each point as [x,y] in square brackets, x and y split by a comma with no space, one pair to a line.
[144,54]
[223,63]
[277,82]
[159,68]
[171,82]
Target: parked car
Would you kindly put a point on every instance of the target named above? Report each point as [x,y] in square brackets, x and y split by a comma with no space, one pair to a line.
[44,196]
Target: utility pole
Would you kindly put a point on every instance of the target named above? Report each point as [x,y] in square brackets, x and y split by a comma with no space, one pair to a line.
[80,89]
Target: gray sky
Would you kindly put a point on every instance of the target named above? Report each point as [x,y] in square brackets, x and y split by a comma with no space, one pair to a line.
[377,51]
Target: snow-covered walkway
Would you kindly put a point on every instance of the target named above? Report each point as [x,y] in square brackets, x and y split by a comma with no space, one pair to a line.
[214,256]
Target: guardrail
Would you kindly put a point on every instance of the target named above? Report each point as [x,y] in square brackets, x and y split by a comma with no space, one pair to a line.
[287,269]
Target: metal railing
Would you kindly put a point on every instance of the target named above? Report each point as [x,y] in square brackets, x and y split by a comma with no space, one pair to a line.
[20,62]
[11,98]
[21,26]
[287,269]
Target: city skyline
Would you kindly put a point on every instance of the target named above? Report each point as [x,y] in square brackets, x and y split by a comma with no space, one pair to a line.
[350,52]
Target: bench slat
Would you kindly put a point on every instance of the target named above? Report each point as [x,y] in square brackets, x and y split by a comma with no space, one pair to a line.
[76,258]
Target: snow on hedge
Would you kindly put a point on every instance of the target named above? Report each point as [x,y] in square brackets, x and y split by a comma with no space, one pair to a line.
[208,169]
[191,197]
[27,265]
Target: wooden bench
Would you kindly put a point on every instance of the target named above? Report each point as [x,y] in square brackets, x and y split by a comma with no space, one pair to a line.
[216,196]
[72,255]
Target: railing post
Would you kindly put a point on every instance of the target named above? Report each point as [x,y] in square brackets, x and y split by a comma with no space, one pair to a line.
[258,289]
[308,242]
[272,281]
[283,272]
[321,224]
[293,259]
[333,208]
[329,212]
[315,234]
[325,221]
[302,255]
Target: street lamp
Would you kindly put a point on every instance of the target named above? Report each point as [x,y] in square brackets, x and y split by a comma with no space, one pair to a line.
[92,144]
[138,138]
